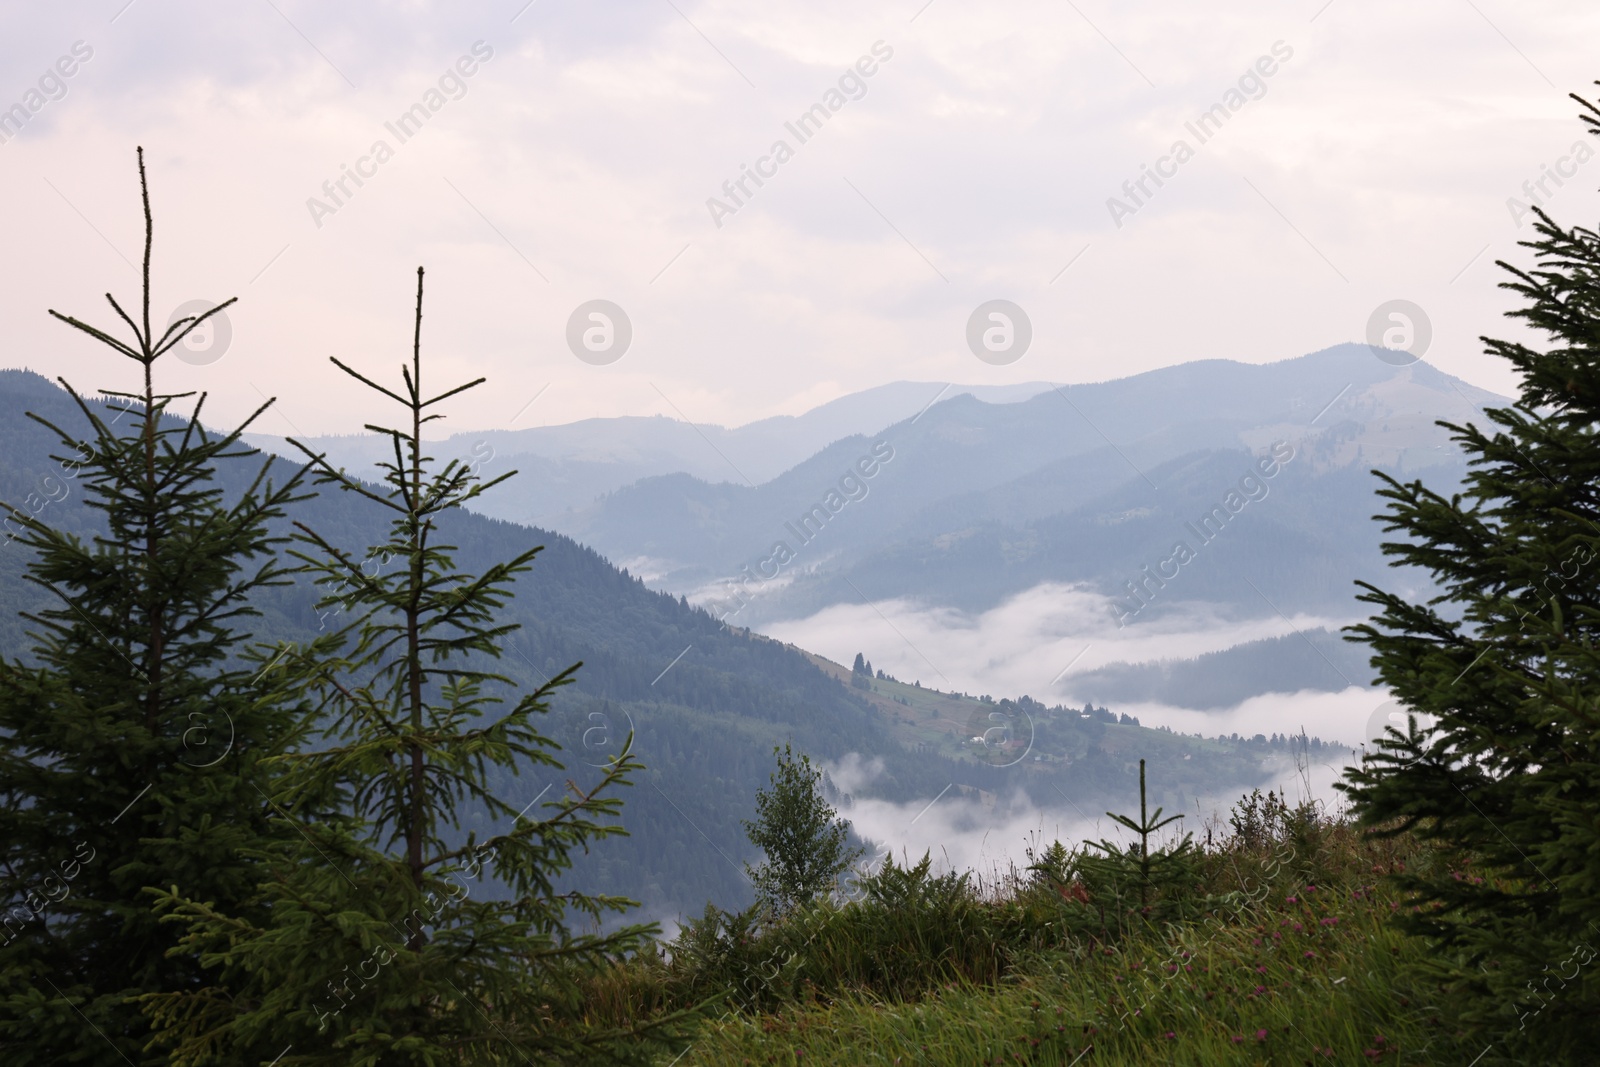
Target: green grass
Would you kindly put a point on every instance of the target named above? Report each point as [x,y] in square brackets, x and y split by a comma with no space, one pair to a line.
[1236,992]
[1278,947]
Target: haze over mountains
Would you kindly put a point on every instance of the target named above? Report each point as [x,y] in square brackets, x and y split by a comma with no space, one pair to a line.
[567,468]
[704,702]
[1007,543]
[984,539]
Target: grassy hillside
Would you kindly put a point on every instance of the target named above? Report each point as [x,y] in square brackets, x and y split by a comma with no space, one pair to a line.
[1281,949]
[1088,756]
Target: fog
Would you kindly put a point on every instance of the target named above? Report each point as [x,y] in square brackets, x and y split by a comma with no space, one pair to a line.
[1034,642]
[991,839]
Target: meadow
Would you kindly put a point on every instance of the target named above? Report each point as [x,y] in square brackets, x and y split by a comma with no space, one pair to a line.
[1275,944]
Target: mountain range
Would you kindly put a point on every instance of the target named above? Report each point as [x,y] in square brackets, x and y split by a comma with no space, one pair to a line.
[1141,497]
[702,702]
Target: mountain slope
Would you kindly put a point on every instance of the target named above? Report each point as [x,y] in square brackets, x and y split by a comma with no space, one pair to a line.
[704,702]
[1141,497]
[566,468]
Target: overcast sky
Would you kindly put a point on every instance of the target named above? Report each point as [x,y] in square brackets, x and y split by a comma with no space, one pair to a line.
[576,162]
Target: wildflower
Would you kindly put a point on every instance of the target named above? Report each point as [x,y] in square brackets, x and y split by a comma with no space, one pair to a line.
[1237,1040]
[1291,900]
[1330,921]
[1171,1036]
[1298,928]
[1261,1035]
[1311,955]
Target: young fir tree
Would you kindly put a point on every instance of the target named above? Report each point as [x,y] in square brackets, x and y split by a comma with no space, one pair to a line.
[806,844]
[1504,784]
[132,741]
[394,937]
[1150,882]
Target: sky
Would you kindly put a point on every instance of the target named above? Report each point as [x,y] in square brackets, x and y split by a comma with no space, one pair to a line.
[564,152]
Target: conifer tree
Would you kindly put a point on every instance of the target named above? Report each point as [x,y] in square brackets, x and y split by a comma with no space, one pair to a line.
[132,739]
[806,844]
[1153,879]
[394,937]
[1504,783]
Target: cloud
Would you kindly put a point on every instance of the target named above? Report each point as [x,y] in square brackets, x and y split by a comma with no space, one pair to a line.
[1341,717]
[578,166]
[967,835]
[990,836]
[1027,645]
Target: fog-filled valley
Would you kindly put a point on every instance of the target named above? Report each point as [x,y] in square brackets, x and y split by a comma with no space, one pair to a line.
[704,534]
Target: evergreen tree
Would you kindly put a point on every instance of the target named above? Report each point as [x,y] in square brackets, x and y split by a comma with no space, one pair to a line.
[133,740]
[395,937]
[1152,879]
[1504,783]
[806,845]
